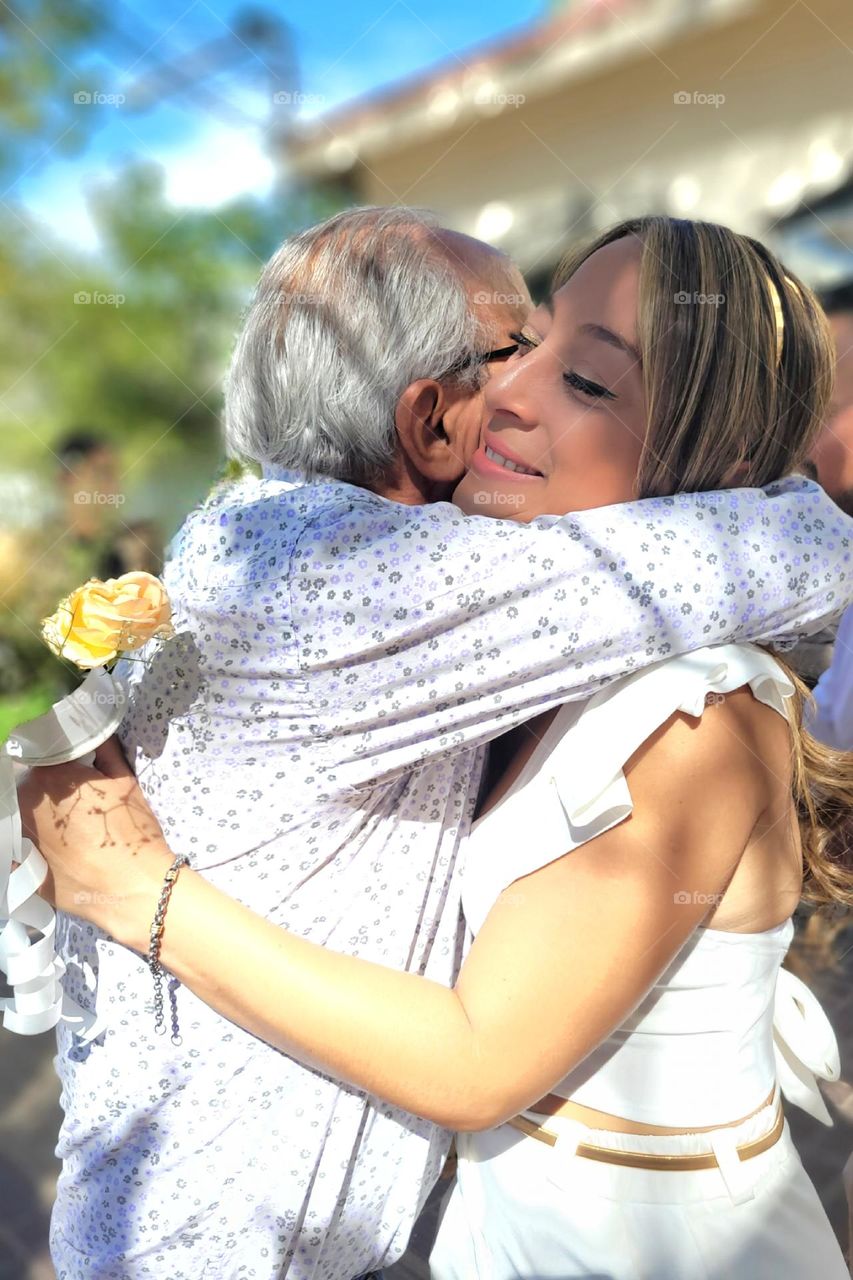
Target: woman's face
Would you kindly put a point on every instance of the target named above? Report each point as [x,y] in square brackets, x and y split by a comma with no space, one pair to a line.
[570,411]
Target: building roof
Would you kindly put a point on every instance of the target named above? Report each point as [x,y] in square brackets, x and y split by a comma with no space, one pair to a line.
[495,75]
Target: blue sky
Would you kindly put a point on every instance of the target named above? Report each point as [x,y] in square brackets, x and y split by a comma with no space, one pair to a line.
[210,140]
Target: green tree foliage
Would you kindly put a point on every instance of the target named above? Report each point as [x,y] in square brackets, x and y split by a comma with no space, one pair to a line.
[137,340]
[131,342]
[40,43]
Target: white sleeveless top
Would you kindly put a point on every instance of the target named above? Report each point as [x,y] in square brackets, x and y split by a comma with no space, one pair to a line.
[724,1022]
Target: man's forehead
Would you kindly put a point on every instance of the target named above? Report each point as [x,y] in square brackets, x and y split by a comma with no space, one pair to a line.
[493,282]
[499,294]
[510,314]
[468,253]
[476,258]
[501,299]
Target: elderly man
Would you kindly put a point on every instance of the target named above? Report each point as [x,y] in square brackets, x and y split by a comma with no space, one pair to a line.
[315,742]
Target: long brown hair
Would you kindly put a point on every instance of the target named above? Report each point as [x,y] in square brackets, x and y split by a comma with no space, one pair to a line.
[738,366]
[823,793]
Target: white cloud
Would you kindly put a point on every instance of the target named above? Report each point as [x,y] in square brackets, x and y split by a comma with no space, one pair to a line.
[60,204]
[208,169]
[217,165]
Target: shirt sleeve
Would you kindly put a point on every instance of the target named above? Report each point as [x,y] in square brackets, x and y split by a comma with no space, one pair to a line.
[832,721]
[425,631]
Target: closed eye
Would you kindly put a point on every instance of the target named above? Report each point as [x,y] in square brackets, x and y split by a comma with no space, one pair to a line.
[525,341]
[587,388]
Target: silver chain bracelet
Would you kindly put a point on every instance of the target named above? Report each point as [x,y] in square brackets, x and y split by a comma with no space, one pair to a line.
[153,958]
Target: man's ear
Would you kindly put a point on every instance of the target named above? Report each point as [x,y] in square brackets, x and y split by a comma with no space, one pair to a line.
[424,441]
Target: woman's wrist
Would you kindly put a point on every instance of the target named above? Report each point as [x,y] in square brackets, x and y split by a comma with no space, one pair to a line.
[127,915]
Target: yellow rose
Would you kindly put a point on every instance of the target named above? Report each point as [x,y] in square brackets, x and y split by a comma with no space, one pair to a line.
[100,620]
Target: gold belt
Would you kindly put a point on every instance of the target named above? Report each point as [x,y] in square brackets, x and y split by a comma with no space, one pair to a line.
[644,1160]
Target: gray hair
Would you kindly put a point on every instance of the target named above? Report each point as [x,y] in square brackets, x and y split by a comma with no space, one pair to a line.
[345,316]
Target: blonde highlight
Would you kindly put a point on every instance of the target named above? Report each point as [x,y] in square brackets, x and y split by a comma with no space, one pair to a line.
[823,794]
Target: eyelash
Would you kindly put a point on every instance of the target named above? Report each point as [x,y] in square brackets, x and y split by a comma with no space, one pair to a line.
[577,383]
[525,342]
[572,379]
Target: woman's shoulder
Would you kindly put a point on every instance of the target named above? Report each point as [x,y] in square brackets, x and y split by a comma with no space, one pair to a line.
[636,712]
[695,721]
[734,739]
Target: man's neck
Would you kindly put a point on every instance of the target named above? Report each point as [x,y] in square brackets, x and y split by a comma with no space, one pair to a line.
[406,485]
[410,495]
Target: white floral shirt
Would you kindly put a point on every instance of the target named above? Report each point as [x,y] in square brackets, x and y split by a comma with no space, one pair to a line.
[314,740]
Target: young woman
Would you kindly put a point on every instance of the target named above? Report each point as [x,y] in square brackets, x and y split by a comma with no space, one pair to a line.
[607,1052]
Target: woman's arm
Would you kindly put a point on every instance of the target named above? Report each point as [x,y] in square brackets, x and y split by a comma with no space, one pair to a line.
[563,957]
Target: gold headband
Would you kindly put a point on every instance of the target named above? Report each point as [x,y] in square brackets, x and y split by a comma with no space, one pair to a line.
[776,303]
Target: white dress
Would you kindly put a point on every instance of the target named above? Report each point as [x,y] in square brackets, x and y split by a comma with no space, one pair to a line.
[722,1027]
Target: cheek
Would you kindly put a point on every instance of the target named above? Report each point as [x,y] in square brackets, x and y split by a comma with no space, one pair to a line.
[469,424]
[595,461]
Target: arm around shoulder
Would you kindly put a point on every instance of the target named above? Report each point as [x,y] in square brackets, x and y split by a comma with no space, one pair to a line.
[559,962]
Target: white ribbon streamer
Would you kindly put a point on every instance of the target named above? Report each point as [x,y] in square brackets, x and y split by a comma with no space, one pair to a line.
[805,1045]
[71,730]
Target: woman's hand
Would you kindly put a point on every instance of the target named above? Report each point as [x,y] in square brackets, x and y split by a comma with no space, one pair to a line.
[105,849]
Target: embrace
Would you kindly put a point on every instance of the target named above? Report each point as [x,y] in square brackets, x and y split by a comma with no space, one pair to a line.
[479,741]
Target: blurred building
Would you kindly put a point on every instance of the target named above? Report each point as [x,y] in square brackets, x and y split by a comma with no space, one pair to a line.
[739,111]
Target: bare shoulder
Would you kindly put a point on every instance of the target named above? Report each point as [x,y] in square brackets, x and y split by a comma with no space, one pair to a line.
[737,742]
[701,788]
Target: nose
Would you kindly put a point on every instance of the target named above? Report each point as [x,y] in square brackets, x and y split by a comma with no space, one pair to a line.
[513,390]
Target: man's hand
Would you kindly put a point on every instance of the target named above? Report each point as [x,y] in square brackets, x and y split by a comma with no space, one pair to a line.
[105,849]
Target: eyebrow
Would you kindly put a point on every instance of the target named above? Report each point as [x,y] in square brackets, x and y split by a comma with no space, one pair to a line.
[612,339]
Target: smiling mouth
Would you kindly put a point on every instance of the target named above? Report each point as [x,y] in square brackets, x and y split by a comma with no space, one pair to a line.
[508,464]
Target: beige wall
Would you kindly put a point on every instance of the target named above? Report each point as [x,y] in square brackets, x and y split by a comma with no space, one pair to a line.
[618,139]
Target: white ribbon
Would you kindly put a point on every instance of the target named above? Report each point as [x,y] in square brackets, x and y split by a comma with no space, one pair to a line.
[805,1046]
[71,730]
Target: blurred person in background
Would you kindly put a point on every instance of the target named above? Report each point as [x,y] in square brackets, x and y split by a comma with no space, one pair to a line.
[90,494]
[85,537]
[89,523]
[833,458]
[391,640]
